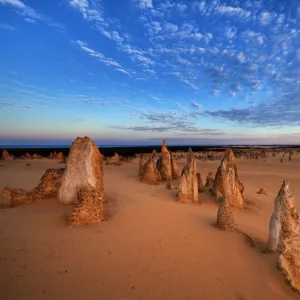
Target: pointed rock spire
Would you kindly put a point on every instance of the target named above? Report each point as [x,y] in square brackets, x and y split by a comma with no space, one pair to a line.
[225,220]
[227,183]
[289,239]
[284,197]
[188,187]
[150,174]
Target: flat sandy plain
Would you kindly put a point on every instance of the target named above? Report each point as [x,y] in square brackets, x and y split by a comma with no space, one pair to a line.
[150,246]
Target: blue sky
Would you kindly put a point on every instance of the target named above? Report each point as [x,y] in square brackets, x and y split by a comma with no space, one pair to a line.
[138,71]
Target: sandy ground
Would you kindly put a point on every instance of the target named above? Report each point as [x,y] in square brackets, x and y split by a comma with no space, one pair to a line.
[150,247]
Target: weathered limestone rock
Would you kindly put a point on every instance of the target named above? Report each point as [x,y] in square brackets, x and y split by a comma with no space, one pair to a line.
[47,188]
[114,160]
[289,241]
[36,156]
[201,187]
[59,156]
[13,197]
[188,187]
[225,220]
[142,165]
[174,168]
[209,181]
[227,183]
[6,156]
[89,209]
[150,174]
[164,163]
[84,169]
[284,196]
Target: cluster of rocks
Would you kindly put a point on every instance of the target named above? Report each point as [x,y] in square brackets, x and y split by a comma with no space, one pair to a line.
[79,184]
[53,155]
[154,171]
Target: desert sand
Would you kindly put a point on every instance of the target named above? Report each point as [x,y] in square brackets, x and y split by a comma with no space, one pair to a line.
[150,246]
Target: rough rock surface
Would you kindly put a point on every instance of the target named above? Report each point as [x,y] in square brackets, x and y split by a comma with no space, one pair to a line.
[209,181]
[13,197]
[201,187]
[225,220]
[48,186]
[227,183]
[6,155]
[188,186]
[36,156]
[83,169]
[164,163]
[174,168]
[289,240]
[284,196]
[142,165]
[150,174]
[114,160]
[89,209]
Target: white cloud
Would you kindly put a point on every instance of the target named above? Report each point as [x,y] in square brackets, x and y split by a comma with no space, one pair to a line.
[143,4]
[232,11]
[28,20]
[90,10]
[101,57]
[15,3]
[7,27]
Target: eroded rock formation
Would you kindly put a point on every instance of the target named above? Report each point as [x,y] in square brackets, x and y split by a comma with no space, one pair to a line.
[209,181]
[164,163]
[283,197]
[188,186]
[142,163]
[13,197]
[201,187]
[114,160]
[289,240]
[48,186]
[227,183]
[83,170]
[174,167]
[6,156]
[150,174]
[89,209]
[225,220]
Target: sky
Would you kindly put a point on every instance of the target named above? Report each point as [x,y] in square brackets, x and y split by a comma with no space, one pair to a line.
[134,72]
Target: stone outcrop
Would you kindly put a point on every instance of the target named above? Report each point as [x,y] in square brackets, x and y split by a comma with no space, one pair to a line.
[89,209]
[36,156]
[114,160]
[150,174]
[47,188]
[58,155]
[226,182]
[83,170]
[174,167]
[164,163]
[6,156]
[289,240]
[142,163]
[283,197]
[209,181]
[225,220]
[188,186]
[13,197]
[201,187]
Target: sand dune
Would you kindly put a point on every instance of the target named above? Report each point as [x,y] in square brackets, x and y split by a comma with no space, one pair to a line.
[150,247]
